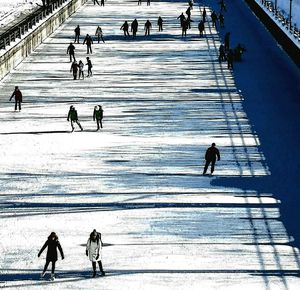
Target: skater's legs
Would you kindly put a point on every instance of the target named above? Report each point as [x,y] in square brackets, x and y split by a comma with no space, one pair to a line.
[206,166]
[53,267]
[46,266]
[213,162]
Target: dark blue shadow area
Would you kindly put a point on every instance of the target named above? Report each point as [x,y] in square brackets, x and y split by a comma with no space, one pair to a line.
[270,85]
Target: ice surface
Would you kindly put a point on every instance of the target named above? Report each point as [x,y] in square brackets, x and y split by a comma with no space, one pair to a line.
[138,180]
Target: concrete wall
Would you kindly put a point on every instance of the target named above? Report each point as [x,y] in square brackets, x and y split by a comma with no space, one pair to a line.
[20,50]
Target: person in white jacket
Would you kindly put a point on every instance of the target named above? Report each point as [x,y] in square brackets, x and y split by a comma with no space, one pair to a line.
[94,251]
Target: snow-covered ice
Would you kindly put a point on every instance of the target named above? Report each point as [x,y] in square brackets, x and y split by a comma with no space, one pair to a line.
[138,181]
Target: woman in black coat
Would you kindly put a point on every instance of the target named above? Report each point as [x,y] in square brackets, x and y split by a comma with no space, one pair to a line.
[52,243]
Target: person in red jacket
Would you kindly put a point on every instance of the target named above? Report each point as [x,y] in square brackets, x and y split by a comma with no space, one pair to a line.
[18,98]
[212,153]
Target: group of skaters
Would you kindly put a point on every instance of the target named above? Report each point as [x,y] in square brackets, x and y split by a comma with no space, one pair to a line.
[97,117]
[93,252]
[230,54]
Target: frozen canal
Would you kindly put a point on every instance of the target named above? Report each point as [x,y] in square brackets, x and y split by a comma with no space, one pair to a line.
[139,180]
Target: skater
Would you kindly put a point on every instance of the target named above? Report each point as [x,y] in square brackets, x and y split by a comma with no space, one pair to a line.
[73,116]
[88,40]
[227,41]
[204,15]
[214,19]
[77,34]
[184,27]
[96,1]
[222,54]
[94,251]
[147,28]
[222,6]
[201,28]
[71,51]
[89,64]
[188,12]
[81,70]
[230,57]
[148,2]
[210,156]
[18,98]
[160,23]
[221,19]
[98,116]
[125,28]
[191,4]
[74,69]
[99,34]
[139,2]
[102,3]
[134,27]
[52,243]
[182,19]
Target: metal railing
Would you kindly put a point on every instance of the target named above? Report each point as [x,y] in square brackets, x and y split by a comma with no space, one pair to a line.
[16,32]
[282,18]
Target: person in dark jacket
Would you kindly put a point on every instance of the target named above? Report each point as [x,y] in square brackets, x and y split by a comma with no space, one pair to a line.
[201,27]
[214,19]
[125,28]
[102,3]
[52,243]
[89,64]
[147,27]
[222,54]
[73,116]
[71,51]
[160,23]
[77,33]
[134,27]
[212,153]
[94,251]
[74,69]
[204,15]
[98,116]
[18,98]
[88,40]
[181,17]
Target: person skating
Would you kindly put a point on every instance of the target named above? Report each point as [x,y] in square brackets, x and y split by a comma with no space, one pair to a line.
[188,12]
[147,28]
[98,116]
[139,2]
[53,244]
[102,3]
[125,28]
[222,54]
[89,41]
[211,155]
[148,2]
[184,27]
[96,1]
[77,34]
[160,23]
[204,15]
[89,64]
[181,17]
[222,20]
[94,251]
[134,27]
[201,28]
[227,41]
[81,70]
[214,19]
[73,117]
[230,57]
[74,69]
[99,34]
[191,4]
[71,51]
[18,98]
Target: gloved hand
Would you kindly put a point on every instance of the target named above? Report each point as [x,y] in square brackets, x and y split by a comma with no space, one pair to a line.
[39,255]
